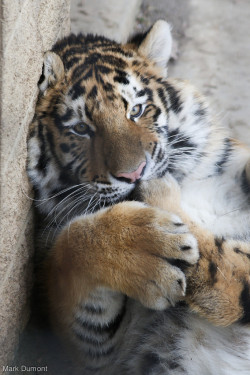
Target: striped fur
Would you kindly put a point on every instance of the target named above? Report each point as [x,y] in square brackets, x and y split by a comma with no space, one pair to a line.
[146,277]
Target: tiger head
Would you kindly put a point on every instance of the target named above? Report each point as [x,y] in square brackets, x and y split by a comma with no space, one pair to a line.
[107,117]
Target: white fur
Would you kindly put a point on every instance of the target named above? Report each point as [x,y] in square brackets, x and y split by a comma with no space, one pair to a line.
[157,45]
[210,350]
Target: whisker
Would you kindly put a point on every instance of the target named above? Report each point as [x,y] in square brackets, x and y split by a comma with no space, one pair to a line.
[74,194]
[82,198]
[61,192]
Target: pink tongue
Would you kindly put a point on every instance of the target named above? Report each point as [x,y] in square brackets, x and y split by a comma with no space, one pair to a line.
[133,176]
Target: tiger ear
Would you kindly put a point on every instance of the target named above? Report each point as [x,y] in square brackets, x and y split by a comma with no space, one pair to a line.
[53,71]
[157,44]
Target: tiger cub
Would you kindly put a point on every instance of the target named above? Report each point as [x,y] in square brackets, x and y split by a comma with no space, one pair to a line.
[145,208]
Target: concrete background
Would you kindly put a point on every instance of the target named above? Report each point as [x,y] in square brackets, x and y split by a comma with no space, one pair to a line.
[211,50]
[29,28]
[114,19]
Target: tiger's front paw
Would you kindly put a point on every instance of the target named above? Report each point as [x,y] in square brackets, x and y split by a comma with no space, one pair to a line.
[156,249]
[164,282]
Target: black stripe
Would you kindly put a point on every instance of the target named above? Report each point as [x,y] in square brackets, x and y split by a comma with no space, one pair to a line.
[200,112]
[93,93]
[114,61]
[162,172]
[245,303]
[81,169]
[79,70]
[154,149]
[218,243]
[136,63]
[98,58]
[160,155]
[225,156]
[64,147]
[144,80]
[88,75]
[71,40]
[50,139]
[162,97]
[43,159]
[140,93]
[88,113]
[238,251]
[76,49]
[32,133]
[122,80]
[93,309]
[66,178]
[156,115]
[149,362]
[173,365]
[176,103]
[121,77]
[181,141]
[245,185]
[67,115]
[107,86]
[77,90]
[125,104]
[71,62]
[110,328]
[102,353]
[102,69]
[117,49]
[90,340]
[92,58]
[213,272]
[149,93]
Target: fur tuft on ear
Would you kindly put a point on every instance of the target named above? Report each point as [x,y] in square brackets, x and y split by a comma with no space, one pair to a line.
[157,44]
[53,71]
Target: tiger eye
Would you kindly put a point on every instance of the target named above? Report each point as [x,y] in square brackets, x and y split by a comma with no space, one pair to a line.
[81,128]
[136,111]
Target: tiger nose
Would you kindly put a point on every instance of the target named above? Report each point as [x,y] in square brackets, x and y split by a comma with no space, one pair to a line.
[133,176]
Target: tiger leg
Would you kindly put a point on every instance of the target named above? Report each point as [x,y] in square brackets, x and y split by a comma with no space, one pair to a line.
[218,285]
[123,250]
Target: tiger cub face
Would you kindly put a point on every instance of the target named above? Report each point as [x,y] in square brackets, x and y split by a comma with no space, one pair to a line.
[107,117]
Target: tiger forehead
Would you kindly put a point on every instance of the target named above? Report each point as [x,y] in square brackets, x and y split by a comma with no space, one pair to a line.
[114,98]
[95,53]
[116,87]
[83,62]
[102,73]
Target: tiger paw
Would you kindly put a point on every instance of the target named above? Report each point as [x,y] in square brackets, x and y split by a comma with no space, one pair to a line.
[149,254]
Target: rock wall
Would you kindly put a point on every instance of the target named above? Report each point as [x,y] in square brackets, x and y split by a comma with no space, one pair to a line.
[28,29]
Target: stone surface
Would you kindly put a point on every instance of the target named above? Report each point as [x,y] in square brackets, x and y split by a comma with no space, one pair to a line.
[29,28]
[214,54]
[111,18]
[215,57]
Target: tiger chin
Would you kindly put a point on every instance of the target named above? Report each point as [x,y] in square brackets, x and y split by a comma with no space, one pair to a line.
[144,210]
